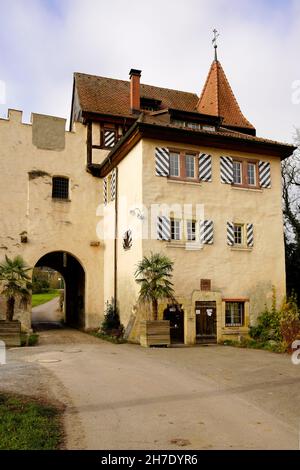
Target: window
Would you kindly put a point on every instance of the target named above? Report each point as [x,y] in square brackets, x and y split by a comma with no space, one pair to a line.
[245,173]
[191,230]
[175,229]
[237,172]
[234,314]
[183,165]
[193,125]
[109,137]
[60,187]
[252,174]
[174,164]
[190,166]
[238,234]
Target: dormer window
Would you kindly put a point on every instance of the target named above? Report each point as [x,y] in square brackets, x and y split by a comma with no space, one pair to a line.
[149,104]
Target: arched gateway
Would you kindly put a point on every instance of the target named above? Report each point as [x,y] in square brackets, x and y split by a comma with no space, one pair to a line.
[74,276]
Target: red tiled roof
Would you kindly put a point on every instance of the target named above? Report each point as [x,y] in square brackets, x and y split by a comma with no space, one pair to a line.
[217,99]
[110,96]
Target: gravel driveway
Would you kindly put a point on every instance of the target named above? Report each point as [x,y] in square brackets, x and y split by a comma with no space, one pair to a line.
[128,397]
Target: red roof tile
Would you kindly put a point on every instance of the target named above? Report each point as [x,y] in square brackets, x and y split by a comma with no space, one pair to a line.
[217,99]
[110,96]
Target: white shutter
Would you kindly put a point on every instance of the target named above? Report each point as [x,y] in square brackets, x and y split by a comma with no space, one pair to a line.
[226,168]
[264,169]
[162,157]
[163,228]
[205,171]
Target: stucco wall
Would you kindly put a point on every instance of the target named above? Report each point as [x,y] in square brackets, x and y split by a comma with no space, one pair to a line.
[234,273]
[27,205]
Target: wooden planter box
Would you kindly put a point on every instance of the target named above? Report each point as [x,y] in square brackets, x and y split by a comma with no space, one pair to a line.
[155,333]
[10,332]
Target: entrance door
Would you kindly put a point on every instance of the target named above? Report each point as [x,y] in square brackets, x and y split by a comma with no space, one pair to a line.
[175,315]
[206,322]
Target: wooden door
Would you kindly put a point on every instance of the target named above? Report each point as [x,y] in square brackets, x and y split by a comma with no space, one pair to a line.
[206,322]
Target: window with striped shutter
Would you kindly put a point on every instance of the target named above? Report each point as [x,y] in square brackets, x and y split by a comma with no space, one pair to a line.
[105,191]
[250,235]
[162,156]
[230,233]
[205,170]
[206,232]
[226,169]
[163,228]
[264,170]
[109,138]
[113,185]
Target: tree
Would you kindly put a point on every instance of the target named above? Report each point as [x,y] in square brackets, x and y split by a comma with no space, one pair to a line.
[16,283]
[154,274]
[291,212]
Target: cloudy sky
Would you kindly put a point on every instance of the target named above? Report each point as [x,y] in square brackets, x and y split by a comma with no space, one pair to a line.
[44,41]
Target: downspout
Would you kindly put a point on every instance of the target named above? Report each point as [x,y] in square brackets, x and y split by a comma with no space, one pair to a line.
[116,242]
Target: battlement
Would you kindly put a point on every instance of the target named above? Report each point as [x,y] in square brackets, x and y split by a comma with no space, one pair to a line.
[48,132]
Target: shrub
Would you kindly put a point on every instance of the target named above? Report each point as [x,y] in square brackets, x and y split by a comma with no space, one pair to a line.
[111,324]
[268,324]
[290,321]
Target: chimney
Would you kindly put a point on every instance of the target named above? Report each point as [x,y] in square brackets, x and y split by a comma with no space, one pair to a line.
[135,89]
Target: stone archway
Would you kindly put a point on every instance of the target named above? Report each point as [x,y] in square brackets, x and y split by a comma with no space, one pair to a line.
[74,276]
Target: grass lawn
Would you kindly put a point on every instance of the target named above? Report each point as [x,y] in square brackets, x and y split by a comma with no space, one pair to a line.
[39,299]
[27,424]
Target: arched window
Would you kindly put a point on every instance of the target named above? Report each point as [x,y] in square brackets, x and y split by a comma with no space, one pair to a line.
[60,187]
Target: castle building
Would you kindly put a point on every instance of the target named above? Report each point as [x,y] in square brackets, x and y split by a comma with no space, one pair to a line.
[147,169]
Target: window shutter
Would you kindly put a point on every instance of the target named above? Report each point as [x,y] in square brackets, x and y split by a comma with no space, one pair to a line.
[250,235]
[105,191]
[163,228]
[113,185]
[226,166]
[109,138]
[162,161]
[205,172]
[206,232]
[264,169]
[230,233]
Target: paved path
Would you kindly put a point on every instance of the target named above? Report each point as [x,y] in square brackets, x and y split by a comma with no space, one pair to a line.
[47,312]
[127,397]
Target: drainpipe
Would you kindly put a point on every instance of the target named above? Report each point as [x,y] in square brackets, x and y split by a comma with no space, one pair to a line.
[116,242]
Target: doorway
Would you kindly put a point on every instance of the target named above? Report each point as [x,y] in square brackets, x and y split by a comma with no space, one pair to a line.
[206,322]
[73,274]
[175,314]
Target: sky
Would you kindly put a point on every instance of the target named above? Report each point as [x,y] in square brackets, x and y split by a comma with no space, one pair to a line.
[43,42]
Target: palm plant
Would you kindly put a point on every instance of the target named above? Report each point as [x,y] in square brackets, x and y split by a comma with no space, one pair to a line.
[15,283]
[154,275]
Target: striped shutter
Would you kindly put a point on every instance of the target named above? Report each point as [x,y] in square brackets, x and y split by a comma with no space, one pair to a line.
[162,161]
[226,170]
[109,138]
[113,185]
[105,191]
[250,235]
[206,232]
[163,228]
[230,233]
[205,172]
[264,169]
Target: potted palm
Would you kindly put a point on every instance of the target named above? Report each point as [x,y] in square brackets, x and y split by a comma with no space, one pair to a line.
[15,285]
[154,274]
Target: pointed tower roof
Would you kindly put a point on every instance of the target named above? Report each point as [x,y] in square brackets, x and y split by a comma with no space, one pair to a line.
[217,99]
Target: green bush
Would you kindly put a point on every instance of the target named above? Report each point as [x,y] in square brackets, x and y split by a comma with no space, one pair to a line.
[277,329]
[111,324]
[29,340]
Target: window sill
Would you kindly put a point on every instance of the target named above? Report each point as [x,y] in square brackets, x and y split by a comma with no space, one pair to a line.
[241,248]
[189,246]
[193,183]
[243,188]
[57,199]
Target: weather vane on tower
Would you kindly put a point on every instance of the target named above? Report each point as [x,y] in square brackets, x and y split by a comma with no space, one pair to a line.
[214,41]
